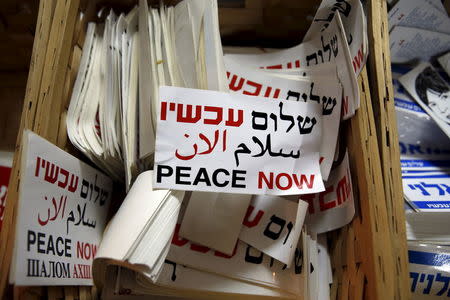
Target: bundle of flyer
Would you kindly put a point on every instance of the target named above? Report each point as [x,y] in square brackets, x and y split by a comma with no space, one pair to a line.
[420,45]
[232,162]
[421,98]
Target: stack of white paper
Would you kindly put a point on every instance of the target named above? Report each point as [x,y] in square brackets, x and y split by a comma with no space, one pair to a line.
[150,217]
[188,269]
[113,109]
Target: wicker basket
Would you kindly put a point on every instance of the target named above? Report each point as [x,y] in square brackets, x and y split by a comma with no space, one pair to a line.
[369,256]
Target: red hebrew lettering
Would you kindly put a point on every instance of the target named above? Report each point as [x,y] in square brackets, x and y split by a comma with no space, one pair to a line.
[38,166]
[188,118]
[163,114]
[231,121]
[289,65]
[65,174]
[97,125]
[233,85]
[220,254]
[268,92]
[199,248]
[262,177]
[342,190]
[51,172]
[358,59]
[275,67]
[345,106]
[176,239]
[276,94]
[257,87]
[321,159]
[255,220]
[218,111]
[309,198]
[326,205]
[303,179]
[297,63]
[73,184]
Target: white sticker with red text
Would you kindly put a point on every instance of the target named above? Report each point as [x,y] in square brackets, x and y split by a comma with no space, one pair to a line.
[326,92]
[273,225]
[229,143]
[63,204]
[334,207]
[330,46]
[354,21]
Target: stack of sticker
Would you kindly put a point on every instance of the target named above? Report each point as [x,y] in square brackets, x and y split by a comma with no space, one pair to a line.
[112,112]
[254,138]
[420,35]
[423,112]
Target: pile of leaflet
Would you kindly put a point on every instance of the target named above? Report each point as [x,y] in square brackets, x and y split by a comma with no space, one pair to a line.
[420,45]
[232,162]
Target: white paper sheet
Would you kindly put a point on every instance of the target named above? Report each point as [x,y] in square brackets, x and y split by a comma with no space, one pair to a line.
[354,21]
[408,44]
[334,207]
[325,271]
[62,211]
[179,280]
[273,225]
[419,14]
[214,219]
[209,149]
[427,191]
[246,263]
[146,81]
[310,89]
[329,46]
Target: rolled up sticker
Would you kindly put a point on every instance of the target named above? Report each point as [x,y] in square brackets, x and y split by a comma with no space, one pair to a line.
[334,207]
[214,219]
[329,46]
[273,225]
[254,82]
[220,142]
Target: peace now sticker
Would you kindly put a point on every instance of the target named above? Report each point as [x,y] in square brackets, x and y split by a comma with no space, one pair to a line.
[62,210]
[220,142]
